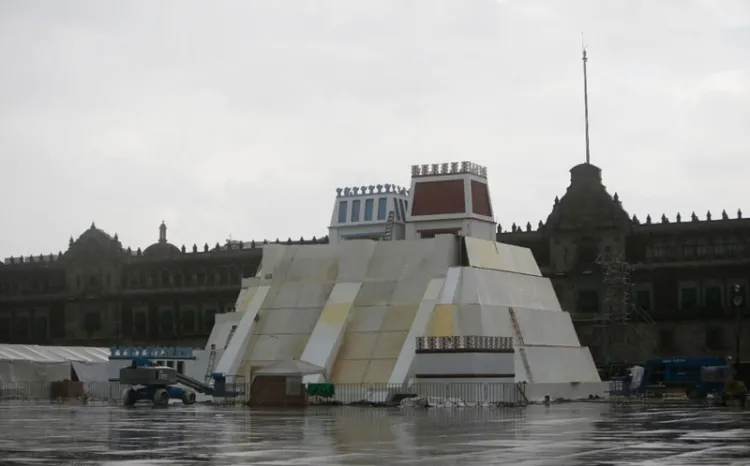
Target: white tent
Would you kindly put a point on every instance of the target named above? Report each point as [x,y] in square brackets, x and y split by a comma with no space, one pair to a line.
[34,363]
[291,368]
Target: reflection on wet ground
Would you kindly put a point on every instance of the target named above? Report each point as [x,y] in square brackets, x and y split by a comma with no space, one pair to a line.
[566,434]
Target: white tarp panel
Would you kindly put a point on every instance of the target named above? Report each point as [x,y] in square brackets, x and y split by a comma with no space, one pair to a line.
[550,328]
[32,371]
[556,364]
[38,353]
[494,287]
[497,256]
[34,363]
[99,371]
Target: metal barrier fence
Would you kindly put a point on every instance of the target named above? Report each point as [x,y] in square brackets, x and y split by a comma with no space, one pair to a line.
[469,392]
[472,393]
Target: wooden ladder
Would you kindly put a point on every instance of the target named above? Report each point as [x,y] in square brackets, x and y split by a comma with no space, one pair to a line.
[521,350]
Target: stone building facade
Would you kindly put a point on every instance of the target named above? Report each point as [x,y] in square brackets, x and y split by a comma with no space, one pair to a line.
[98,293]
[686,290]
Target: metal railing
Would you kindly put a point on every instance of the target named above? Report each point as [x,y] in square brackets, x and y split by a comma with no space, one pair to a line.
[469,392]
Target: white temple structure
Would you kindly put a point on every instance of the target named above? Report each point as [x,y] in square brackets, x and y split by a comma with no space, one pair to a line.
[428,269]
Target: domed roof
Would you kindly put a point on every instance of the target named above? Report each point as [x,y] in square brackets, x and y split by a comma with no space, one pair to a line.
[96,234]
[93,240]
[587,204]
[162,247]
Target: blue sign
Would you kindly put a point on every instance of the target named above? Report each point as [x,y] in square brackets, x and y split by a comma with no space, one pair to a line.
[151,353]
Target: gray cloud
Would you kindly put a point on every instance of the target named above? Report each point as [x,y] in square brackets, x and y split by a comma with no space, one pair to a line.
[243,118]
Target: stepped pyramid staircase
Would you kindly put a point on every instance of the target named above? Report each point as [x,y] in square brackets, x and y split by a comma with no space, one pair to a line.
[388,236]
[521,350]
[211,363]
[231,334]
[212,355]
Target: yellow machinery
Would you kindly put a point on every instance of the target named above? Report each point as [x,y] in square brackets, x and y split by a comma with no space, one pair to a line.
[734,390]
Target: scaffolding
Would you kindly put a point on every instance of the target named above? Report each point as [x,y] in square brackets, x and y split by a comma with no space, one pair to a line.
[620,326]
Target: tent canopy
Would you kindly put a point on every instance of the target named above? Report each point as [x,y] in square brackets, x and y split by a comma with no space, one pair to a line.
[291,368]
[36,353]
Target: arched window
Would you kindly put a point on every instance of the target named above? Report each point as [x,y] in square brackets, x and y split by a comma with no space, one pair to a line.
[165,281]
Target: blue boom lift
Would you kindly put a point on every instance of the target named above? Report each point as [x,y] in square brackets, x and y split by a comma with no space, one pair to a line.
[158,384]
[694,375]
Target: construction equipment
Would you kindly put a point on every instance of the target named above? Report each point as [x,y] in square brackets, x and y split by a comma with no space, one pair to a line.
[622,327]
[734,389]
[695,377]
[158,384]
[663,375]
[152,383]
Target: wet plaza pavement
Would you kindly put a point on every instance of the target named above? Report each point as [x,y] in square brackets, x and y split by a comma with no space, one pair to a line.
[565,434]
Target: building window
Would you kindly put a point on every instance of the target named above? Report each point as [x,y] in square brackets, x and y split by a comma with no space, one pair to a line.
[643,299]
[715,338]
[403,209]
[588,302]
[355,210]
[342,211]
[209,317]
[688,298]
[5,330]
[395,209]
[369,203]
[166,323]
[660,252]
[713,298]
[180,367]
[666,341]
[701,250]
[188,321]
[92,322]
[41,327]
[382,207]
[688,251]
[139,324]
[21,328]
[165,278]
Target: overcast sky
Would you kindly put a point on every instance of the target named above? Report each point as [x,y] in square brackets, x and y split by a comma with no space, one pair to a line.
[241,118]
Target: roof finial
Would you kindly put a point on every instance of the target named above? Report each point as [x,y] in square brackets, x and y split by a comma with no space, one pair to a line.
[163,232]
[586,99]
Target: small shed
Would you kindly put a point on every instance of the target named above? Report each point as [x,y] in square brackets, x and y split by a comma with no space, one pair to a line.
[280,384]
